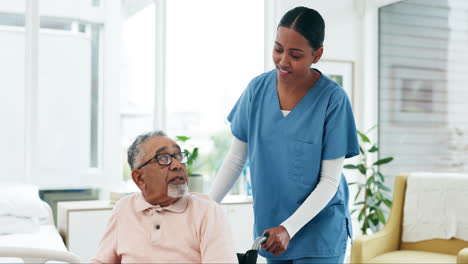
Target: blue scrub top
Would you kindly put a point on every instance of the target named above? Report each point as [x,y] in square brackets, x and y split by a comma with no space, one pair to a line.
[285,155]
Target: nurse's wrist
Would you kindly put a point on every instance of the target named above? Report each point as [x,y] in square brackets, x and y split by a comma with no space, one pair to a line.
[288,229]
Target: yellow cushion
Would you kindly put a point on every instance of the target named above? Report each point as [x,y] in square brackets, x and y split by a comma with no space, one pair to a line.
[413,256]
[444,246]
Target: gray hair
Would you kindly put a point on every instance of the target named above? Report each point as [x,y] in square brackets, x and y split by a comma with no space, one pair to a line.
[134,152]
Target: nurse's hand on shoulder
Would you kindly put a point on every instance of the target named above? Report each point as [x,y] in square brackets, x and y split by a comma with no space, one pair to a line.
[278,241]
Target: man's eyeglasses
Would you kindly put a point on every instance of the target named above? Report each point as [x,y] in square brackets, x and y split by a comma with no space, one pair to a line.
[166,159]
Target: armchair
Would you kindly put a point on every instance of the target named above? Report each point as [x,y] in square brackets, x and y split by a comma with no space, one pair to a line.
[386,246]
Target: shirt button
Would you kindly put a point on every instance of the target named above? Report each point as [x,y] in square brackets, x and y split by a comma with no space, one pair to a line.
[157,227]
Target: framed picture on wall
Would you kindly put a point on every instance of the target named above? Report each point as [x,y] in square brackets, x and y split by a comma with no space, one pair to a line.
[417,95]
[340,71]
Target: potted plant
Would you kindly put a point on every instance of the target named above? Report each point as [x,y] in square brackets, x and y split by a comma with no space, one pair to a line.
[195,182]
[371,204]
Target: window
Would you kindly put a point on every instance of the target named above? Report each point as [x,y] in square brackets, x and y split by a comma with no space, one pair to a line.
[12,107]
[422,97]
[68,99]
[138,70]
[204,72]
[61,116]
[214,48]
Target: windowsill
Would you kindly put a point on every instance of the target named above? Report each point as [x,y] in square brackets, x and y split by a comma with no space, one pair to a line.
[237,199]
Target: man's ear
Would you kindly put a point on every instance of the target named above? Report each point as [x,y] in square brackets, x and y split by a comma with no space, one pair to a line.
[137,178]
[318,54]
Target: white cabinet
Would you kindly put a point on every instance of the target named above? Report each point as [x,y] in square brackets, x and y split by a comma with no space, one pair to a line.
[240,218]
[82,224]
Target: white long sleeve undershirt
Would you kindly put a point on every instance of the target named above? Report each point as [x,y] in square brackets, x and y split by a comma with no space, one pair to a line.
[230,170]
[330,175]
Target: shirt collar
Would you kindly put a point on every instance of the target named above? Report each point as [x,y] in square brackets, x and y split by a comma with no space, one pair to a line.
[177,207]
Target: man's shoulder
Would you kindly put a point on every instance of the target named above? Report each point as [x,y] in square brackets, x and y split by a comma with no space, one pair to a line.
[201,198]
[127,201]
[202,201]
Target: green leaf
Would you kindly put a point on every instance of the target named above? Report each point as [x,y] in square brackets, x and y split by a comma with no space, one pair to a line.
[194,155]
[383,187]
[379,196]
[358,192]
[182,138]
[362,168]
[361,215]
[381,216]
[353,211]
[371,225]
[370,201]
[383,161]
[375,219]
[382,178]
[387,196]
[363,137]
[351,183]
[373,149]
[388,203]
[369,180]
[350,166]
[361,150]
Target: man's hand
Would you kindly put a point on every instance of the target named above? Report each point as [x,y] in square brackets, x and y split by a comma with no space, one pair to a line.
[278,241]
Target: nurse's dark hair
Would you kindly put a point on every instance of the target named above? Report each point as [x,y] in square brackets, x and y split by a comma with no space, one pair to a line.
[307,22]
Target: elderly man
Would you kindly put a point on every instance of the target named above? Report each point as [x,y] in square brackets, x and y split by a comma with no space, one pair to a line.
[164,223]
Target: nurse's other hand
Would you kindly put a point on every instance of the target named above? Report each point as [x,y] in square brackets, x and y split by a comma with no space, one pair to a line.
[278,241]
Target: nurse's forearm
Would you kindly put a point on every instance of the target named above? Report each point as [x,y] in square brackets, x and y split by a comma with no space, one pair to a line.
[329,181]
[230,170]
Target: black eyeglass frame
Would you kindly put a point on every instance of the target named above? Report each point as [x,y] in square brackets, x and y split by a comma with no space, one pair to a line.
[184,159]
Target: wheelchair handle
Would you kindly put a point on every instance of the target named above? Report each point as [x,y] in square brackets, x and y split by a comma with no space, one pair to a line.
[260,240]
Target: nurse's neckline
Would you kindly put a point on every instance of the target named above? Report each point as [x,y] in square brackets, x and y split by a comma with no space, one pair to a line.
[316,77]
[290,106]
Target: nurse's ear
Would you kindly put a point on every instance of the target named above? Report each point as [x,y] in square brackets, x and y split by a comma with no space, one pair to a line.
[317,54]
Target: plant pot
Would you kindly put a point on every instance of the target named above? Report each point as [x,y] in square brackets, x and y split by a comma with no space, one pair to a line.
[195,183]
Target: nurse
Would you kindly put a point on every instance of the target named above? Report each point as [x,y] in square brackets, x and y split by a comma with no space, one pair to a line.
[296,126]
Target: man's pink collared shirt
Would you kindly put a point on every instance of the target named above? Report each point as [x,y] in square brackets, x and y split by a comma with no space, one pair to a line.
[194,229]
